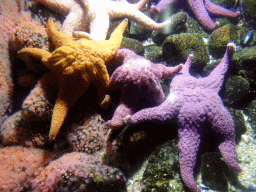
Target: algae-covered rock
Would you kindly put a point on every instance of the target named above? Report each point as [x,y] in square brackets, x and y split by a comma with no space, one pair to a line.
[249,10]
[133,44]
[176,49]
[244,62]
[178,24]
[162,172]
[251,113]
[236,88]
[153,53]
[219,39]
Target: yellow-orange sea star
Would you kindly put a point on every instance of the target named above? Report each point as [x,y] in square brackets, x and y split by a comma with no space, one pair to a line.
[76,64]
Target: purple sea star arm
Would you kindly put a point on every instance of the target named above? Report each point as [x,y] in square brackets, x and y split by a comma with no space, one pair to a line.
[189,142]
[200,12]
[190,117]
[161,5]
[223,124]
[214,9]
[166,71]
[156,114]
[118,118]
[216,77]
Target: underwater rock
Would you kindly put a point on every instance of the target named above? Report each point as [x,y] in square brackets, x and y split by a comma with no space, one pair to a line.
[6,82]
[78,172]
[213,171]
[162,171]
[18,166]
[87,135]
[219,39]
[244,64]
[176,49]
[178,24]
[249,10]
[250,112]
[236,88]
[153,53]
[133,44]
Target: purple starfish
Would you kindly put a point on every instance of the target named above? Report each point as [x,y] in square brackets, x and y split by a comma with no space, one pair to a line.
[137,82]
[194,102]
[201,10]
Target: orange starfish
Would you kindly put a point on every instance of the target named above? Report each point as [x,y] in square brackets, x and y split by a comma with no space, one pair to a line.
[76,64]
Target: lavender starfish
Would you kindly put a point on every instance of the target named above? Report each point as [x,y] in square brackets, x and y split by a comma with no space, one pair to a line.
[201,10]
[193,102]
[137,82]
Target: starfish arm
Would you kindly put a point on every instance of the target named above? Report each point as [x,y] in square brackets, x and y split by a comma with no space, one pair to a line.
[82,34]
[223,124]
[60,6]
[39,54]
[71,88]
[188,145]
[120,113]
[140,4]
[200,12]
[168,71]
[186,66]
[99,24]
[216,77]
[215,9]
[101,80]
[73,19]
[108,48]
[122,10]
[161,5]
[58,38]
[156,114]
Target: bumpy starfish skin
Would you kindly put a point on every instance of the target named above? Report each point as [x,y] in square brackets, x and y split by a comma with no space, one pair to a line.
[137,80]
[194,101]
[201,10]
[87,14]
[77,64]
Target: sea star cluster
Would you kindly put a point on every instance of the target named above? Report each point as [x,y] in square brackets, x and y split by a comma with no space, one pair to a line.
[85,14]
[79,65]
[194,102]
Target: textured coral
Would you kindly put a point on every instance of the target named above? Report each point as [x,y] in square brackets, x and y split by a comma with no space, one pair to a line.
[78,171]
[88,135]
[18,166]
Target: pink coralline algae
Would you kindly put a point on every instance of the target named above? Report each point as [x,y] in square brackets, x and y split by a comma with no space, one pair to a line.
[78,171]
[202,10]
[88,135]
[28,126]
[194,102]
[136,83]
[18,166]
[6,82]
